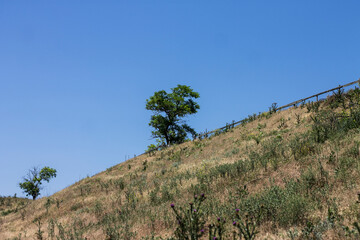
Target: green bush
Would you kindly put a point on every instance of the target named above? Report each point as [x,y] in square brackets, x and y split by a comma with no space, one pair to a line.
[344,168]
[119,183]
[301,146]
[285,207]
[76,206]
[191,223]
[328,124]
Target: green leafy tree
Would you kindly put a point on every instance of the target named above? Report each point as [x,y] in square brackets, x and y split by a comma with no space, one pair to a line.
[169,110]
[33,180]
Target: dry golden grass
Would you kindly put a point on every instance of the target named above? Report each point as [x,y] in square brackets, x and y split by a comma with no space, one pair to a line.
[79,200]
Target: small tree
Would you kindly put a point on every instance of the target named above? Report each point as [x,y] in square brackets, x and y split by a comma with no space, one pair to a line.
[169,109]
[33,180]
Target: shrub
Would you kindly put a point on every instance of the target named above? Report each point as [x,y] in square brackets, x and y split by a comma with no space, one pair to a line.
[301,146]
[119,183]
[74,231]
[285,207]
[273,108]
[344,168]
[232,152]
[217,230]
[166,194]
[116,225]
[191,223]
[153,194]
[325,124]
[247,224]
[75,206]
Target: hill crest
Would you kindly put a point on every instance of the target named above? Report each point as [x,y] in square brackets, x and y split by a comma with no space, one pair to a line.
[294,162]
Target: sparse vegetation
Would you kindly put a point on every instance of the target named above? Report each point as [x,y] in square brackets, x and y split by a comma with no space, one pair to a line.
[298,178]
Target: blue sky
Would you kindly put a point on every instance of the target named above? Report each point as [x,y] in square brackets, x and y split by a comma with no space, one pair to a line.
[75,75]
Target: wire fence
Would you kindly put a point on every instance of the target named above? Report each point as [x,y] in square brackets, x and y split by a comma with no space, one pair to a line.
[273,108]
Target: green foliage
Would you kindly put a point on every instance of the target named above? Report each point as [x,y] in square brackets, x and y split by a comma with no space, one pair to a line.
[298,203]
[247,224]
[119,183]
[116,225]
[251,118]
[115,229]
[314,230]
[169,109]
[298,118]
[272,149]
[282,206]
[154,147]
[76,206]
[232,152]
[328,124]
[273,108]
[33,180]
[354,231]
[217,230]
[7,212]
[324,125]
[337,98]
[344,168]
[154,198]
[301,146]
[48,204]
[313,106]
[39,233]
[190,221]
[257,137]
[74,231]
[282,123]
[166,194]
[145,165]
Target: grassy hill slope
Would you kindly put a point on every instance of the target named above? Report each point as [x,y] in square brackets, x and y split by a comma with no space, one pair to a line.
[293,174]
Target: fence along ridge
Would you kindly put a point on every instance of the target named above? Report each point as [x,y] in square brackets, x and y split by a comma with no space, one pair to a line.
[317,95]
[231,125]
[284,106]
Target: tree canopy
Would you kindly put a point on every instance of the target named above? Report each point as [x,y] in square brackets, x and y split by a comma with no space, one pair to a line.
[169,110]
[33,180]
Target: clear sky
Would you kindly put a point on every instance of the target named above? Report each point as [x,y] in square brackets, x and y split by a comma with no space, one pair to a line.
[75,75]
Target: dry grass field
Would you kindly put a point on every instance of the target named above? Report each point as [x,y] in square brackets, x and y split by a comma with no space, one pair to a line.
[292,174]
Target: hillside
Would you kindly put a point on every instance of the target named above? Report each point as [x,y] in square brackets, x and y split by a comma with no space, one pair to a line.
[292,174]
